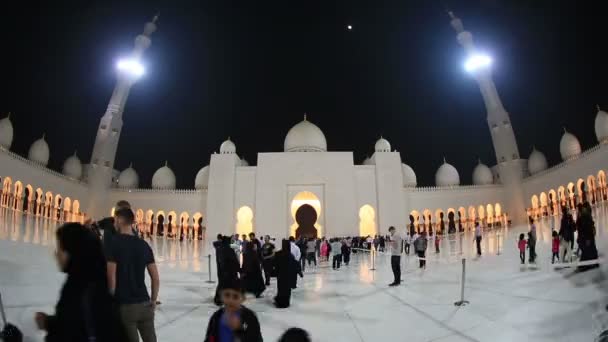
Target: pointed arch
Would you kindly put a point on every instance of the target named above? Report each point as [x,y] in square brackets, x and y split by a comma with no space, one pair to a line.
[490,213]
[481,211]
[67,207]
[498,210]
[534,201]
[367,221]
[139,216]
[76,207]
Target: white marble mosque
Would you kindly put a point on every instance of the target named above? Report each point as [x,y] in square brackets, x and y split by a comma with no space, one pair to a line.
[508,302]
[228,194]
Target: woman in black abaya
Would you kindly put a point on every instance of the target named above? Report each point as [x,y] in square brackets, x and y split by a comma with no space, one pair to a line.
[228,267]
[586,237]
[252,273]
[284,266]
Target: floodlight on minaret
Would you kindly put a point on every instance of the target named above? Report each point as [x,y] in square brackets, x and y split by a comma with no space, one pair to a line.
[510,165]
[130,69]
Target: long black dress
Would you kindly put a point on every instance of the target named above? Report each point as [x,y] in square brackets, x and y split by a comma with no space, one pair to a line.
[284,266]
[252,273]
[586,240]
[228,268]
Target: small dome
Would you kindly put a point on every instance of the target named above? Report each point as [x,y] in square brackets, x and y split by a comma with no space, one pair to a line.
[447,175]
[569,147]
[482,175]
[368,161]
[128,178]
[244,162]
[163,178]
[409,176]
[305,137]
[39,152]
[601,127]
[201,181]
[6,132]
[228,147]
[382,145]
[72,167]
[537,161]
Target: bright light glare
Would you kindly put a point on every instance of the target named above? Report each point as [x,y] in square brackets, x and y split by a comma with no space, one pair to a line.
[349,27]
[477,62]
[131,66]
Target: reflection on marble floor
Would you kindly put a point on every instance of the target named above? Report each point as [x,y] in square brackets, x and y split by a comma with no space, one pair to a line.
[508,303]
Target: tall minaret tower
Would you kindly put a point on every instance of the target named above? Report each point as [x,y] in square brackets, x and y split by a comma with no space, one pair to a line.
[110,126]
[505,146]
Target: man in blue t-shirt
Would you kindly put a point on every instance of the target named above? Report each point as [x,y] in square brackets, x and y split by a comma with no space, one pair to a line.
[128,260]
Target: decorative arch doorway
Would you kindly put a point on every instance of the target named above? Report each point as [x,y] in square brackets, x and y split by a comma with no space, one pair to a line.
[367,220]
[305,213]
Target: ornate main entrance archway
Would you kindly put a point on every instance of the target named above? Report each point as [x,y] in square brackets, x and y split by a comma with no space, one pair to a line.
[305,207]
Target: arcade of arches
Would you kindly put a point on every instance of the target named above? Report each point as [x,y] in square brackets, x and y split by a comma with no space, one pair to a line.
[23,198]
[550,202]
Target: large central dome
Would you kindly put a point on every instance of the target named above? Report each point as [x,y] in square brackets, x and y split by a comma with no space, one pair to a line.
[305,137]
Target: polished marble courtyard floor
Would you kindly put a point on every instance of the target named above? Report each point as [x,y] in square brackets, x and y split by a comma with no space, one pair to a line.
[507,302]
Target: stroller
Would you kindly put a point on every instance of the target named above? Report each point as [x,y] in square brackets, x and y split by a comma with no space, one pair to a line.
[9,333]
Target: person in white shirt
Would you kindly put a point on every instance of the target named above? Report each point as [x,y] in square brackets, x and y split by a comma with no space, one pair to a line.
[407,240]
[295,251]
[478,237]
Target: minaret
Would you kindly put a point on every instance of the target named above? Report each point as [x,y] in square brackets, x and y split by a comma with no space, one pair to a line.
[110,126]
[503,137]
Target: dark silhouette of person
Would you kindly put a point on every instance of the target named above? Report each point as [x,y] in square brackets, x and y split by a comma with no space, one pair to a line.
[285,269]
[306,216]
[161,227]
[441,229]
[412,226]
[451,223]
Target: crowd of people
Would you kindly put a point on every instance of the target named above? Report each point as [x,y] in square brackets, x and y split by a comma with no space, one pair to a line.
[105,297]
[580,230]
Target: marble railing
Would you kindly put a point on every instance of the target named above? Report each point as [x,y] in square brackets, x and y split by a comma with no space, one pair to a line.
[165,191]
[38,166]
[565,163]
[455,188]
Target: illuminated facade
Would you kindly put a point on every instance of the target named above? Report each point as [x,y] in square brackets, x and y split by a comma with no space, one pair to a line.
[285,190]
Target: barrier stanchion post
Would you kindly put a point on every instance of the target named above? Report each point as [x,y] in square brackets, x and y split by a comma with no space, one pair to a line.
[462,302]
[497,243]
[373,254]
[210,281]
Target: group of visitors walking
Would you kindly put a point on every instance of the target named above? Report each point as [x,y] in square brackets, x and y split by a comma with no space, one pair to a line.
[562,241]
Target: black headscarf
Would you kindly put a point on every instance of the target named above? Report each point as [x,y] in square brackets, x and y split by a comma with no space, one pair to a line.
[86,259]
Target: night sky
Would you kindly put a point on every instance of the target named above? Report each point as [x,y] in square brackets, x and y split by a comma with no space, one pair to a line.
[250,69]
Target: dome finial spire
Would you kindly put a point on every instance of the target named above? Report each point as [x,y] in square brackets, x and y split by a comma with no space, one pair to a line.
[444,160]
[596,106]
[75,152]
[565,130]
[8,116]
[130,165]
[305,117]
[166,163]
[43,135]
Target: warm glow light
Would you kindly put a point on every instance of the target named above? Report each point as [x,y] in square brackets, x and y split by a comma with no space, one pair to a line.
[349,27]
[477,62]
[305,197]
[131,66]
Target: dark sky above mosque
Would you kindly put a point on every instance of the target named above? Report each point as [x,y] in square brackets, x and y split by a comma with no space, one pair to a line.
[250,69]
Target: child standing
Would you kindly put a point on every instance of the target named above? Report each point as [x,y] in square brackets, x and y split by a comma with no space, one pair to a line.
[555,247]
[521,244]
[324,250]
